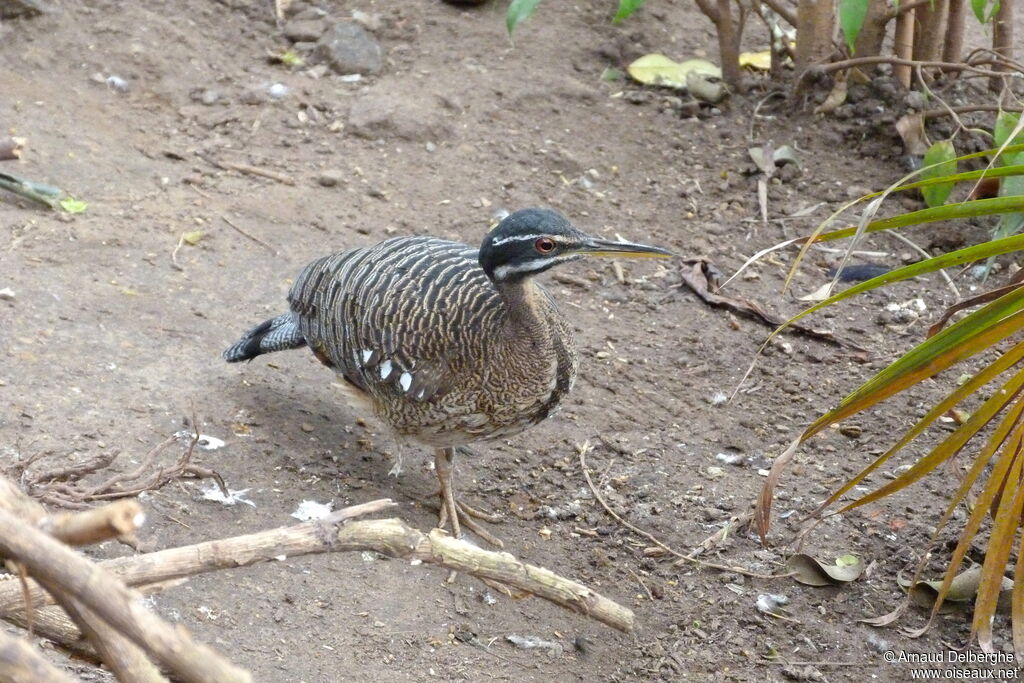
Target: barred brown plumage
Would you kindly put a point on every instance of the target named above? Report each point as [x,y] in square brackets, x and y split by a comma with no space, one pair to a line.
[446,343]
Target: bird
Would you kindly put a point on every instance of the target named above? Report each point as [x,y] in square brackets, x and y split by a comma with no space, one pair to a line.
[447,343]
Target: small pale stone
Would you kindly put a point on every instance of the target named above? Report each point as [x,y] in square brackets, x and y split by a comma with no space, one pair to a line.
[331,177]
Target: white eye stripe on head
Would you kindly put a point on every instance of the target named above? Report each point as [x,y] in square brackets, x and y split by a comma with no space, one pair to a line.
[514,238]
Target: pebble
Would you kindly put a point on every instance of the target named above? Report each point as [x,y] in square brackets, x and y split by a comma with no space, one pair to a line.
[207,97]
[308,30]
[6,294]
[117,83]
[348,48]
[253,96]
[277,90]
[331,177]
[306,427]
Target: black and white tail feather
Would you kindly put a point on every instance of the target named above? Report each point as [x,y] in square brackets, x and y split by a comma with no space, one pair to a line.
[277,334]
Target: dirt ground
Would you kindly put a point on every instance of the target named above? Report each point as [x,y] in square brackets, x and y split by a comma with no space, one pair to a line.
[116,327]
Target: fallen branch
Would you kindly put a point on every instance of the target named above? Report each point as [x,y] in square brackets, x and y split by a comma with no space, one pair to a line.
[897,61]
[247,169]
[391,537]
[22,663]
[100,591]
[700,276]
[124,658]
[115,520]
[968,109]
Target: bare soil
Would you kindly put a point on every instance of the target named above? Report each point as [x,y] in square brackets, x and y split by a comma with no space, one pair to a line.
[114,336]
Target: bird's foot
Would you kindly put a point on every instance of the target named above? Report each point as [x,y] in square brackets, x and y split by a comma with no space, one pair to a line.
[464,515]
[396,469]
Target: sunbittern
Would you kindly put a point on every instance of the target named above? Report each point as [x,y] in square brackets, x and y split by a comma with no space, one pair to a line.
[446,343]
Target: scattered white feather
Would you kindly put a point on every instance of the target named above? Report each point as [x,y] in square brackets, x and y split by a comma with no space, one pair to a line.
[205,441]
[310,509]
[213,492]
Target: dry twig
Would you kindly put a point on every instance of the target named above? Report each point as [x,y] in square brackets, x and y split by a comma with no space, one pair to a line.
[67,487]
[391,537]
[653,539]
[255,239]
[100,591]
[247,169]
[22,663]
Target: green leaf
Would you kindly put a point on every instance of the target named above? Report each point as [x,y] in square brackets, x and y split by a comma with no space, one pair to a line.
[518,12]
[939,161]
[192,237]
[291,58]
[626,8]
[1003,133]
[851,18]
[72,205]
[947,212]
[979,9]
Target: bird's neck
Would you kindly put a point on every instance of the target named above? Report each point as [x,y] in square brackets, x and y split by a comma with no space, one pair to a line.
[529,311]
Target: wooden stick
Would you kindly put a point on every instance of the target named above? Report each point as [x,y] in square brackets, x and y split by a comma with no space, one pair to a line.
[123,657]
[246,168]
[391,537]
[22,663]
[177,563]
[254,238]
[114,520]
[120,607]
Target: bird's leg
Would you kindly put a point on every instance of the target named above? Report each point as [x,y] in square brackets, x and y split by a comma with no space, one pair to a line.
[443,458]
[396,469]
[453,510]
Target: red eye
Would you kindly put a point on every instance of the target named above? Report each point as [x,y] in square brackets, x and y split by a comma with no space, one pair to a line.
[544,245]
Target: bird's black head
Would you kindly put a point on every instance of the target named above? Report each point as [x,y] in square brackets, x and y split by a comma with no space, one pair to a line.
[530,241]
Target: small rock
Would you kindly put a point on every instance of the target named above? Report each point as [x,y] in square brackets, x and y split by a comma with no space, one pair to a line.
[254,96]
[638,96]
[331,177]
[277,90]
[206,96]
[855,191]
[308,30]
[117,83]
[6,294]
[306,427]
[348,48]
[318,71]
[916,100]
[391,111]
[370,20]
